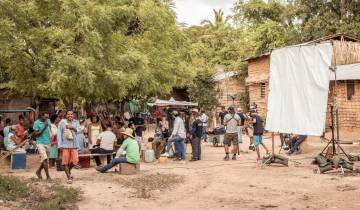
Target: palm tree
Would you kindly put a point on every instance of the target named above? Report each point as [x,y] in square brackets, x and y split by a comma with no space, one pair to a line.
[219,20]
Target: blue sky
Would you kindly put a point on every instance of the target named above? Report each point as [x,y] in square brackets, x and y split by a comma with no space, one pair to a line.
[192,12]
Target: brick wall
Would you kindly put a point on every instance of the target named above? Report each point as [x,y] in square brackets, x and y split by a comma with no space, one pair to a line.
[349,115]
[230,87]
[258,73]
[258,70]
[255,96]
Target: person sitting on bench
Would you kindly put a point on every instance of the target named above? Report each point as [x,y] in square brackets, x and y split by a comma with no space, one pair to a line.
[14,141]
[106,142]
[130,146]
[295,143]
[159,140]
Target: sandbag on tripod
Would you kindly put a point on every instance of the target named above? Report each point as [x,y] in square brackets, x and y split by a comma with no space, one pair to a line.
[321,161]
[276,159]
[281,160]
[346,164]
[325,167]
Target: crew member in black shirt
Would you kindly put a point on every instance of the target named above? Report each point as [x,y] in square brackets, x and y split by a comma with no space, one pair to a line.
[197,132]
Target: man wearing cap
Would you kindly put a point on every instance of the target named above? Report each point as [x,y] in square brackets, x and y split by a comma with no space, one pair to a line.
[178,136]
[68,143]
[130,146]
[204,119]
[139,124]
[242,122]
[196,131]
[231,122]
[258,132]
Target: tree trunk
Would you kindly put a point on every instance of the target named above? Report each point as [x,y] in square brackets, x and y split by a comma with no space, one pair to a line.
[88,107]
[122,107]
[69,105]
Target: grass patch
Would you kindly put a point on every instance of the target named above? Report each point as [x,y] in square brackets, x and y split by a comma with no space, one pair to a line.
[145,186]
[12,188]
[37,195]
[63,198]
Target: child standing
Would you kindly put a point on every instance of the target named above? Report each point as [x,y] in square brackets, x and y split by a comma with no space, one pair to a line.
[54,119]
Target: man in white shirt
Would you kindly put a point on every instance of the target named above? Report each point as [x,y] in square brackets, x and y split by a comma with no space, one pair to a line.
[178,136]
[204,119]
[106,141]
[231,122]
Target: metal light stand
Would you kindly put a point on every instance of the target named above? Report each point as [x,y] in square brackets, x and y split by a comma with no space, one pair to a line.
[334,142]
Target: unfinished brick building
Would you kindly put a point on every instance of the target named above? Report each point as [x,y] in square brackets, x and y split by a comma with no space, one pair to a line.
[346,51]
[229,89]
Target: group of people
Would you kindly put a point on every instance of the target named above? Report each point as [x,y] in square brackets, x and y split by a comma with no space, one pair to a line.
[173,131]
[235,124]
[11,134]
[63,137]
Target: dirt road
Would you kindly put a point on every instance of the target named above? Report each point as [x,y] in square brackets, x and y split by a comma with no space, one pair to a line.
[215,184]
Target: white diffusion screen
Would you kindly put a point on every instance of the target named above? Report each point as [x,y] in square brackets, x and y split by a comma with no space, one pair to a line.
[299,84]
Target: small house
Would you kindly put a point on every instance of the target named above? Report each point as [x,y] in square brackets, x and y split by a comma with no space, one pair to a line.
[346,52]
[10,100]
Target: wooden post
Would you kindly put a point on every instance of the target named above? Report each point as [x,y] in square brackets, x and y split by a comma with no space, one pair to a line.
[272,139]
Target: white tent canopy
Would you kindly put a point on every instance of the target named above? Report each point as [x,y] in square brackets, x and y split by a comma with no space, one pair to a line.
[346,72]
[171,102]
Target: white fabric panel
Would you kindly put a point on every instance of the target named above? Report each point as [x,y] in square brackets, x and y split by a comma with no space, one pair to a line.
[346,72]
[298,89]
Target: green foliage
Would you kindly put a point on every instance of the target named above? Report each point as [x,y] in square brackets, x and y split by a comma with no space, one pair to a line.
[34,195]
[100,51]
[321,18]
[202,90]
[93,50]
[268,25]
[63,198]
[12,188]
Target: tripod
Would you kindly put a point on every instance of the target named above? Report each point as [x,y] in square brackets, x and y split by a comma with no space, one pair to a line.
[334,142]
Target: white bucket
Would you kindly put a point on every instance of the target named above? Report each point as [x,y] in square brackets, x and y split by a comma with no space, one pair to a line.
[149,156]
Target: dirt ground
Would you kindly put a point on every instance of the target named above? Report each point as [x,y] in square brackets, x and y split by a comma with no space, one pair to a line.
[215,184]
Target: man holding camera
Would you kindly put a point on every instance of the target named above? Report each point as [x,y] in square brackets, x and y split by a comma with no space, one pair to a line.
[231,122]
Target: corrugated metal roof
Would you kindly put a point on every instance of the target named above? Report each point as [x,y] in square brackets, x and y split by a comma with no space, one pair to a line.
[338,36]
[224,75]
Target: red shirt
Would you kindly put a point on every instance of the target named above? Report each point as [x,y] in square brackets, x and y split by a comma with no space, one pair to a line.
[20,131]
[158,114]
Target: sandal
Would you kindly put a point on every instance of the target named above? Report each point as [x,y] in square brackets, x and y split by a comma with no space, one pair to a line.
[69,181]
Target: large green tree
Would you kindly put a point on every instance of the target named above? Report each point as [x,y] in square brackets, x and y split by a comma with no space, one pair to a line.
[319,18]
[92,49]
[266,24]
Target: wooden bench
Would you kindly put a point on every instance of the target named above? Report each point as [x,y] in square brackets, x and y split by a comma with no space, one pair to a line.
[85,159]
[128,168]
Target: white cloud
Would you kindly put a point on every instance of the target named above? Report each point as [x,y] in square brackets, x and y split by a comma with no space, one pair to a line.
[192,12]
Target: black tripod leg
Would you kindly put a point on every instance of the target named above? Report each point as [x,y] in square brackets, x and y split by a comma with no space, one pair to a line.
[326,146]
[337,143]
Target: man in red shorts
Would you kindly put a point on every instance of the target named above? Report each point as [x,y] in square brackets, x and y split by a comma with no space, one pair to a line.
[68,143]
